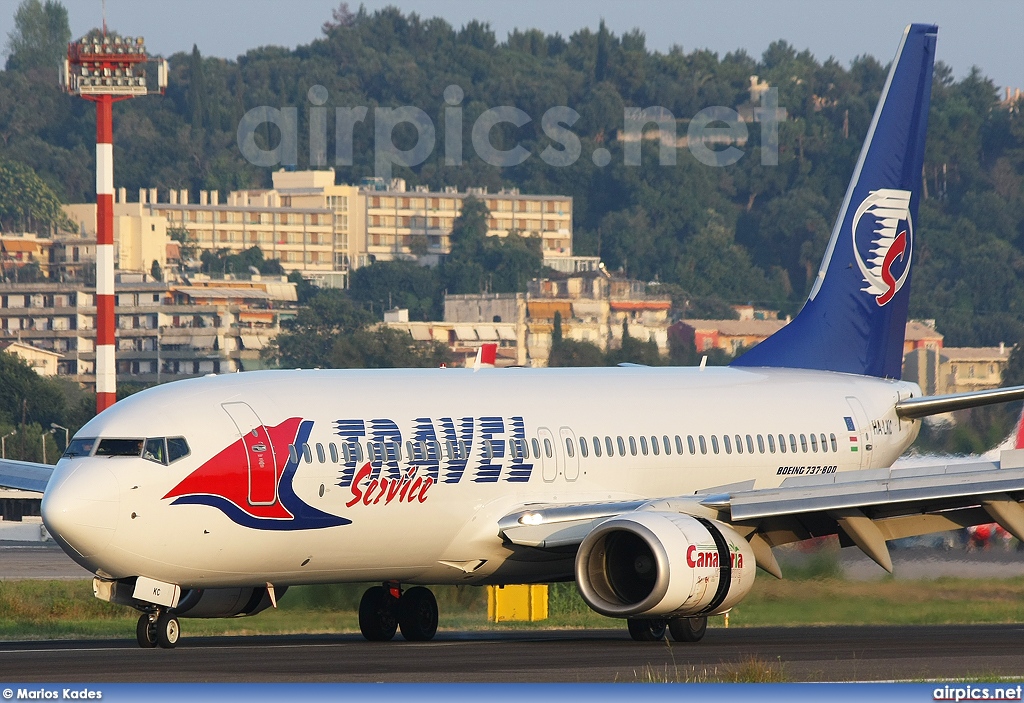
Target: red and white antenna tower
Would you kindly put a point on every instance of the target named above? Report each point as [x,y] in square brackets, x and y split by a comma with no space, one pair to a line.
[105,69]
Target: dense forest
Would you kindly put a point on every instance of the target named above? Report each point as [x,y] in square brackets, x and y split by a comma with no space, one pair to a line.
[743,233]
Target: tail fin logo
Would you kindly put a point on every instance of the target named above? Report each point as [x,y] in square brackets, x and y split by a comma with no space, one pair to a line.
[884,244]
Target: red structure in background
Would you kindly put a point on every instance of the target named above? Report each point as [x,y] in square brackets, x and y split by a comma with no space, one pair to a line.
[104,69]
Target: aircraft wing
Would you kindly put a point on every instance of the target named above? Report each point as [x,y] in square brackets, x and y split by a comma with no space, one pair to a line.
[24,475]
[865,508]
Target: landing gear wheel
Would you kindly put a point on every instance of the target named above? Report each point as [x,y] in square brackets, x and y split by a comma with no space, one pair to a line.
[145,631]
[688,629]
[417,614]
[167,630]
[646,630]
[378,611]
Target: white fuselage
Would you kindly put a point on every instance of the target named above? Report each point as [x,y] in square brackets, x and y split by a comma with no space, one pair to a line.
[414,510]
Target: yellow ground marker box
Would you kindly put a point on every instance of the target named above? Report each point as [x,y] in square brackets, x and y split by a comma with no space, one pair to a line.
[519,602]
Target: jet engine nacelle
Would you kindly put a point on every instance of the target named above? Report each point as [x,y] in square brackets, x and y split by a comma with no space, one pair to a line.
[224,602]
[647,564]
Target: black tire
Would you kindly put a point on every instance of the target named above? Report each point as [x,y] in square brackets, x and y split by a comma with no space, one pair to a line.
[167,631]
[378,614]
[145,631]
[688,629]
[646,630]
[417,614]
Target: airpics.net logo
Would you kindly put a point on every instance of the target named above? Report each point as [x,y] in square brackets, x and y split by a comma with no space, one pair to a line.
[977,693]
[713,136]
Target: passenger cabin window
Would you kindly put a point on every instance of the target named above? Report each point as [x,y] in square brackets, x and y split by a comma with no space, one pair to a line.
[293,454]
[668,447]
[725,441]
[321,457]
[569,448]
[597,446]
[622,446]
[679,444]
[654,445]
[782,444]
[583,447]
[835,446]
[803,443]
[547,448]
[632,445]
[760,444]
[643,445]
[689,445]
[714,443]
[824,443]
[750,445]
[814,443]
[334,452]
[703,446]
[80,447]
[608,445]
[536,448]
[307,454]
[120,447]
[771,443]
[792,443]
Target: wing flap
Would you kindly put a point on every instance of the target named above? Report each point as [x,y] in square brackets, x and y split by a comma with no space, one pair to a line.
[966,483]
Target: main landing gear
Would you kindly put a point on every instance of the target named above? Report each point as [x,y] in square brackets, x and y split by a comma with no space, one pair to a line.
[158,627]
[384,609]
[681,629]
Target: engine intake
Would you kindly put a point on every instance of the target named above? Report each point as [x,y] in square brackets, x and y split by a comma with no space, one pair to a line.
[663,564]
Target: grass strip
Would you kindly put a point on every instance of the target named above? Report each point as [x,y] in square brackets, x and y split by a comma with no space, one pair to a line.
[67,609]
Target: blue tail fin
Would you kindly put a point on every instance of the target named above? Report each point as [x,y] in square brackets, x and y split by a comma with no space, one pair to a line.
[855,318]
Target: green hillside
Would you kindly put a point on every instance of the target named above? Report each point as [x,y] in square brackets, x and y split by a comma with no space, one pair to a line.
[745,232]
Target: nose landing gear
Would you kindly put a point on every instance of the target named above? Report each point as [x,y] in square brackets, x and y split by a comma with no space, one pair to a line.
[385,609]
[157,628]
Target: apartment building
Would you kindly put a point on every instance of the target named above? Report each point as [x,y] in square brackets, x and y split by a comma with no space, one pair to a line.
[941,370]
[312,225]
[593,308]
[140,238]
[403,224]
[164,331]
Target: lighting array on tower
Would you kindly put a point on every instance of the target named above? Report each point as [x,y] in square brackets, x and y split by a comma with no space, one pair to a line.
[110,65]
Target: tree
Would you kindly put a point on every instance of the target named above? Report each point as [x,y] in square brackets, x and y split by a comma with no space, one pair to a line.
[40,36]
[404,284]
[633,351]
[196,95]
[463,267]
[27,203]
[332,332]
[246,262]
[156,272]
[385,348]
[308,340]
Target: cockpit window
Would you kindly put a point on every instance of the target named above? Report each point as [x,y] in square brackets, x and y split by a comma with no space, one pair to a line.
[177,448]
[120,447]
[155,451]
[80,447]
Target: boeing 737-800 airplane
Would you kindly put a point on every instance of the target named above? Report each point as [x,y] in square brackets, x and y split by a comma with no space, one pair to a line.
[657,489]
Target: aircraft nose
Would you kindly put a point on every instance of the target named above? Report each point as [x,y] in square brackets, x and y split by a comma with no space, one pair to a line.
[80,509]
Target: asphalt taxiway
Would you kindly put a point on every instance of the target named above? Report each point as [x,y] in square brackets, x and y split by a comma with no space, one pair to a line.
[798,654]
